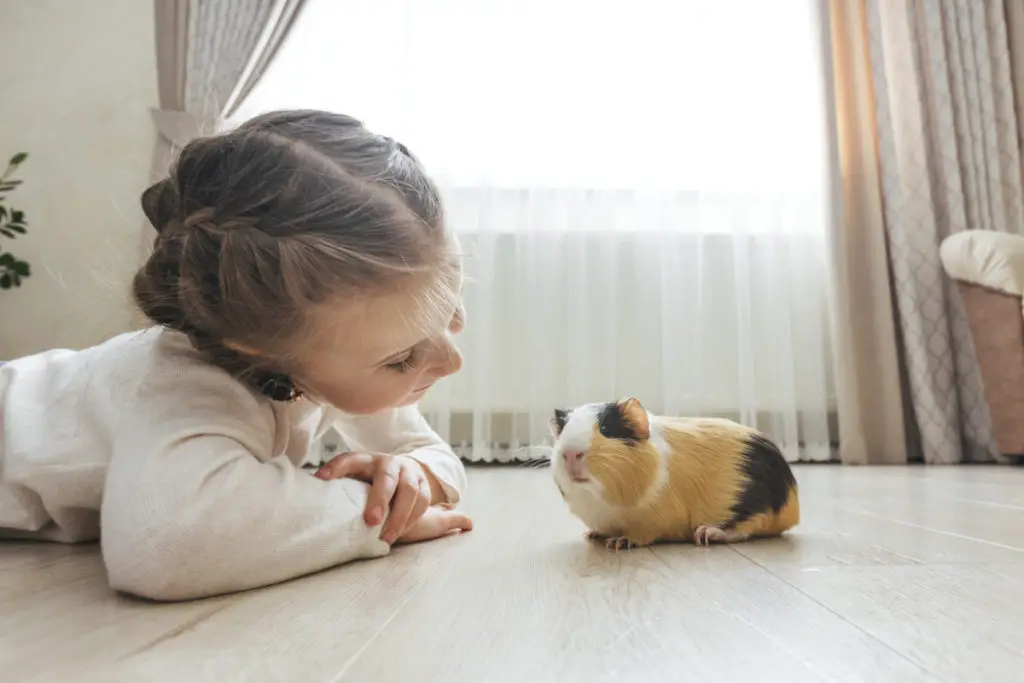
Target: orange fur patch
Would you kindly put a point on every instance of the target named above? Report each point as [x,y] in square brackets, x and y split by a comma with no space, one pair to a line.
[626,472]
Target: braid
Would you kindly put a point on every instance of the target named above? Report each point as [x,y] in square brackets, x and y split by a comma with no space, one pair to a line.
[185,303]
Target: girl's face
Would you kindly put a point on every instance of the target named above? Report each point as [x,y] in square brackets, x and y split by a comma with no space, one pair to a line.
[379,352]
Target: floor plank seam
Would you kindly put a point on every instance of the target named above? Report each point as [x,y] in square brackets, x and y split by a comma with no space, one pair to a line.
[943,532]
[841,616]
[735,615]
[989,504]
[383,627]
[175,632]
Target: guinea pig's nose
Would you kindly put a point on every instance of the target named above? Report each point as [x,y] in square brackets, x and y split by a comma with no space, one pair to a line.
[573,458]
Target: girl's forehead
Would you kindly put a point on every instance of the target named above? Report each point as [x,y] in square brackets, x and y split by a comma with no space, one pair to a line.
[385,323]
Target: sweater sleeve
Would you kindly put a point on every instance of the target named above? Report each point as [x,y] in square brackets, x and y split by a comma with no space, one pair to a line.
[404,431]
[196,506]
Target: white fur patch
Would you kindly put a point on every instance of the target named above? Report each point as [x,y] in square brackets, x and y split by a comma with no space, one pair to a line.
[657,440]
[585,499]
[579,429]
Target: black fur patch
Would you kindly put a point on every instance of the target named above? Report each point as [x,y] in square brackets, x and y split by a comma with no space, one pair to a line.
[769,480]
[559,420]
[613,424]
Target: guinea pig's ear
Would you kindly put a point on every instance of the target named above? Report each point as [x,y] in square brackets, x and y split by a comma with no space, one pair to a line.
[558,420]
[634,415]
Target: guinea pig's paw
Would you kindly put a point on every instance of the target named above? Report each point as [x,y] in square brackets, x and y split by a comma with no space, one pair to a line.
[706,534]
[593,536]
[619,543]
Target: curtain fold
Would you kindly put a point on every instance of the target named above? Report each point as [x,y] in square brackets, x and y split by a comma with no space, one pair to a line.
[277,27]
[867,364]
[171,29]
[211,54]
[209,57]
[1015,43]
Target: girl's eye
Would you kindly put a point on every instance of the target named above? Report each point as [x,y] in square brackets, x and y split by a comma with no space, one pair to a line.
[405,364]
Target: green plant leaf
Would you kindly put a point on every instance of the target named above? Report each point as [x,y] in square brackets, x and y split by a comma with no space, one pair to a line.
[3,212]
[18,228]
[17,216]
[9,185]
[5,281]
[18,158]
[20,268]
[9,234]
[7,260]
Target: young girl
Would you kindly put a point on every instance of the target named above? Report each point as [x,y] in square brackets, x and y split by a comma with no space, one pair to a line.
[302,278]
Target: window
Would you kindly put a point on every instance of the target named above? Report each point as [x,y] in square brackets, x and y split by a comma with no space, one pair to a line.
[711,96]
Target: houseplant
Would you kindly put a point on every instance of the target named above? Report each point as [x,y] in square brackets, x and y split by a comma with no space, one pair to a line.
[12,224]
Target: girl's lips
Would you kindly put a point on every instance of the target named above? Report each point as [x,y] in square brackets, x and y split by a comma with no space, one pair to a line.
[422,389]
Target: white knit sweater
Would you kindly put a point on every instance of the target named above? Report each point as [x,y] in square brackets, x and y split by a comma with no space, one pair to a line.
[191,480]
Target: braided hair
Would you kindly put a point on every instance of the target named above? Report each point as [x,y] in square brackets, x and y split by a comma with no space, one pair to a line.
[287,211]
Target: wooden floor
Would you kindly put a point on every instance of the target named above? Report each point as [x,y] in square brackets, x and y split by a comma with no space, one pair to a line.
[896,574]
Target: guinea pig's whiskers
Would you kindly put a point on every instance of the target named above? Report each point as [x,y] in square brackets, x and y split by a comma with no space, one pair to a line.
[540,457]
[534,464]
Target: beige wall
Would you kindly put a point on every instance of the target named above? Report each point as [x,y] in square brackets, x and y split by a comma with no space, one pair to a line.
[75,90]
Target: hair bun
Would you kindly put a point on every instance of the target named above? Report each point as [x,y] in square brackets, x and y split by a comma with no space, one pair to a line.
[160,204]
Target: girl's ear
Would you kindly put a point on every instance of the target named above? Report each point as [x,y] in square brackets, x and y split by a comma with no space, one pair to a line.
[634,415]
[557,422]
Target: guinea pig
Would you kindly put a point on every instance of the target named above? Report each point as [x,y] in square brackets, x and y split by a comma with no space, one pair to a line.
[635,479]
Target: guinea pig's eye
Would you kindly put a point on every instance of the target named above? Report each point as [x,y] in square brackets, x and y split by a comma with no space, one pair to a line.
[606,430]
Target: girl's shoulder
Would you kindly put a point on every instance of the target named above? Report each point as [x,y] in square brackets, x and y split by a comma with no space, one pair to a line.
[144,369]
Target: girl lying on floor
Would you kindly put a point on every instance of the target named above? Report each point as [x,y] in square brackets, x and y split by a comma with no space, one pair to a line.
[302,278]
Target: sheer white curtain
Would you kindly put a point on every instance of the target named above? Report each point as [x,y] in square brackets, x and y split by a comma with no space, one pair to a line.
[640,189]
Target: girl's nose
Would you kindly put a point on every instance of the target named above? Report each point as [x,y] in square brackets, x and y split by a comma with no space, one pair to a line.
[449,361]
[454,361]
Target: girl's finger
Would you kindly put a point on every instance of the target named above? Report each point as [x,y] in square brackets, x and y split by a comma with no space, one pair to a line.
[422,503]
[354,465]
[436,523]
[457,520]
[401,508]
[382,490]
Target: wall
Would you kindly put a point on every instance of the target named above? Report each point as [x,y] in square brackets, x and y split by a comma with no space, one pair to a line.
[77,83]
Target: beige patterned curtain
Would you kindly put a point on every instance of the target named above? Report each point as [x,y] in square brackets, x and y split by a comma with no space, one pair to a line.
[936,113]
[210,54]
[869,398]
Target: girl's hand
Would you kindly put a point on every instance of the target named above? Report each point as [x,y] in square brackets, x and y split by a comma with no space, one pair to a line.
[397,481]
[437,521]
